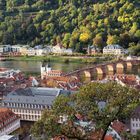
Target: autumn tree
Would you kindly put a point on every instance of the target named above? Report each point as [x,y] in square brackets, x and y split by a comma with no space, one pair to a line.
[98,41]
[117,103]
[84,37]
[82,19]
[112,39]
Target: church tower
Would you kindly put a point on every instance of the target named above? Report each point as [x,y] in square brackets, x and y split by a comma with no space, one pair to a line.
[45,68]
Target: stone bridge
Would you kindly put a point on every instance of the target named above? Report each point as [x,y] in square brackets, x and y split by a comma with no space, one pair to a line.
[104,68]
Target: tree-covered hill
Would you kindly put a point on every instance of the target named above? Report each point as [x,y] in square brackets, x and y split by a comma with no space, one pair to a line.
[74,23]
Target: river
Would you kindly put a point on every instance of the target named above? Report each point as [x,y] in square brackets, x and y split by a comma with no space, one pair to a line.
[34,66]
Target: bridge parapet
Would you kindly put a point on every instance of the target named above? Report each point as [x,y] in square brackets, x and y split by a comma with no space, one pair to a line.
[131,58]
[111,66]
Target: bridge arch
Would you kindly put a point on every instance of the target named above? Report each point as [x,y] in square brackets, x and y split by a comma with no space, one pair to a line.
[99,70]
[110,68]
[119,66]
[128,64]
[87,74]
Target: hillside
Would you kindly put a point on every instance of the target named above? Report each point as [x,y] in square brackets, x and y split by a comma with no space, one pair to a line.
[74,23]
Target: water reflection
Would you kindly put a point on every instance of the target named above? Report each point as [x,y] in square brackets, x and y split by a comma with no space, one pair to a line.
[34,67]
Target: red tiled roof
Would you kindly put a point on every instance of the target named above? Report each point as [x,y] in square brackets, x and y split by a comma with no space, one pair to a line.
[55,71]
[64,79]
[108,137]
[119,126]
[6,114]
[4,80]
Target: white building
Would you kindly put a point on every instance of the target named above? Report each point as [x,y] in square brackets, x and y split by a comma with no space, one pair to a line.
[47,50]
[114,49]
[9,137]
[68,51]
[6,73]
[1,50]
[46,71]
[31,52]
[135,121]
[39,52]
[9,121]
[29,103]
[92,50]
[59,49]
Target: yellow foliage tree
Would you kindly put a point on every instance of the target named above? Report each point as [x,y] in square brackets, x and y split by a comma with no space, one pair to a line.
[84,37]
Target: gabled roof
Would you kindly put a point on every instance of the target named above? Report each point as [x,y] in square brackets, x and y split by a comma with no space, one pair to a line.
[119,127]
[6,114]
[92,47]
[113,46]
[35,95]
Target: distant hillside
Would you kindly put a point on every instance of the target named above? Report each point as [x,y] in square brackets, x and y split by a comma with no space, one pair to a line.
[74,23]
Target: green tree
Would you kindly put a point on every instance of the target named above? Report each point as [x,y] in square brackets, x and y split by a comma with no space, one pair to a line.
[118,103]
[137,34]
[112,39]
[66,39]
[134,49]
[31,32]
[98,41]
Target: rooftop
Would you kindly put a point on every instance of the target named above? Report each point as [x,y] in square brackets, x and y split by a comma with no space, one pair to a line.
[35,95]
[39,91]
[114,46]
[119,127]
[6,137]
[5,114]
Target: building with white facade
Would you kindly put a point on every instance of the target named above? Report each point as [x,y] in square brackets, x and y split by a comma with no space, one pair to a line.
[29,103]
[135,121]
[92,50]
[47,50]
[9,137]
[59,49]
[8,73]
[9,121]
[39,52]
[31,52]
[1,50]
[46,71]
[114,49]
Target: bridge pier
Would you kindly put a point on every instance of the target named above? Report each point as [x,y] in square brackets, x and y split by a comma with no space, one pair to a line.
[106,68]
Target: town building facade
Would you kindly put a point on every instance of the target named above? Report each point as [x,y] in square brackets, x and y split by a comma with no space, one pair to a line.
[9,137]
[135,121]
[92,50]
[114,49]
[46,71]
[9,121]
[29,103]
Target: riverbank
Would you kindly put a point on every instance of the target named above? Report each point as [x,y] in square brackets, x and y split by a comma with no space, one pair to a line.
[63,59]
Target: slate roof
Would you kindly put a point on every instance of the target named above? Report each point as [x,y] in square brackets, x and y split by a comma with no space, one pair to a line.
[34,95]
[115,46]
